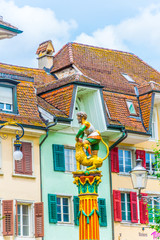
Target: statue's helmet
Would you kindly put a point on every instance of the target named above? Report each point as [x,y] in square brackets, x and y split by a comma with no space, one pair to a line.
[82,115]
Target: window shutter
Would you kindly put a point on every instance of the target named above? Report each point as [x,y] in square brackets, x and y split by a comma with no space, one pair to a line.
[58,157]
[39,219]
[8,218]
[24,166]
[76,210]
[134,211]
[143,210]
[102,211]
[27,157]
[52,207]
[142,155]
[16,219]
[117,205]
[114,160]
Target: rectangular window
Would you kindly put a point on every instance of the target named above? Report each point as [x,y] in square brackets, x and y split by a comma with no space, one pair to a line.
[6,98]
[70,160]
[24,166]
[131,107]
[63,209]
[126,207]
[153,206]
[125,160]
[150,163]
[23,214]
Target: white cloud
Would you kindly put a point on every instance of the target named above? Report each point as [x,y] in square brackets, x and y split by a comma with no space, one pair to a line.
[143,31]
[38,25]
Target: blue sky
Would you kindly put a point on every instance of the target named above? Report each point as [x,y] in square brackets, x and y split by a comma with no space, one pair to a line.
[132,26]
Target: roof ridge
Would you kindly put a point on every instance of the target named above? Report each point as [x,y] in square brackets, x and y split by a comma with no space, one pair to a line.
[61,49]
[102,48]
[70,53]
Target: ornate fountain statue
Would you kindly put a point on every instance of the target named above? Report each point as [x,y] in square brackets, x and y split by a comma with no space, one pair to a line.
[91,144]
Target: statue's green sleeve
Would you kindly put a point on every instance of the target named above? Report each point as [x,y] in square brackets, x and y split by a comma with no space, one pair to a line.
[81,131]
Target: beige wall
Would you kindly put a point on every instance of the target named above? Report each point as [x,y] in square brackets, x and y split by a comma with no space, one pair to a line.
[132,231]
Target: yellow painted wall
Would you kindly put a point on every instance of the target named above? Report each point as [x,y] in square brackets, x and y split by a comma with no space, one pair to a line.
[132,231]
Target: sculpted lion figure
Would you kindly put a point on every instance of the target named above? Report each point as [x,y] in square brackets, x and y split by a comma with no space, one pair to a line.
[93,162]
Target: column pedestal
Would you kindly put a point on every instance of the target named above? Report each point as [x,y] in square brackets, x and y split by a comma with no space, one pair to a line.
[87,183]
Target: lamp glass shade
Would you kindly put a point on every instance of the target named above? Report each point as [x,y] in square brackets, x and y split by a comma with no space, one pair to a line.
[17,155]
[139,179]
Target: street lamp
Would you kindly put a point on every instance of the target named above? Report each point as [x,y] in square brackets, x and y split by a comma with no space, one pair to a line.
[17,155]
[139,176]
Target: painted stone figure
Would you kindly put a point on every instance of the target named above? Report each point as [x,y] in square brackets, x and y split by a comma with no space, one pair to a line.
[91,144]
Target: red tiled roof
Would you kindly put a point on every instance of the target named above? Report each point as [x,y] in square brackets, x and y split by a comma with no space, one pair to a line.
[106,66]
[75,78]
[145,105]
[39,75]
[60,98]
[116,104]
[51,109]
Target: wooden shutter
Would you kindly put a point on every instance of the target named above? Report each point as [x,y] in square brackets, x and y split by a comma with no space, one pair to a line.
[52,208]
[134,211]
[142,155]
[58,157]
[39,219]
[8,218]
[114,160]
[117,205]
[76,210]
[16,219]
[102,211]
[24,166]
[143,210]
[27,157]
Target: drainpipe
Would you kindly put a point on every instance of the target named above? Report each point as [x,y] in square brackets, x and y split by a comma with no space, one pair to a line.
[124,136]
[47,132]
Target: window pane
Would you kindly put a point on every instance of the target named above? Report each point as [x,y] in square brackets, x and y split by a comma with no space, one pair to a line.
[59,217]
[25,220]
[65,201]
[58,209]
[58,200]
[120,155]
[8,107]
[2,106]
[25,231]
[25,209]
[6,95]
[65,209]
[131,107]
[65,218]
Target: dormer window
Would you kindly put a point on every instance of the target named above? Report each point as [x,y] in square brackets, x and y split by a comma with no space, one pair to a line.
[6,99]
[8,96]
[131,108]
[129,79]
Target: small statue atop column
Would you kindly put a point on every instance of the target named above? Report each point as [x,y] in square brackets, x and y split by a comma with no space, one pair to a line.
[91,144]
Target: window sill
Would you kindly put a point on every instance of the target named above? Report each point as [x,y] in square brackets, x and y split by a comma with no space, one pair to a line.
[23,176]
[124,174]
[65,224]
[130,224]
[152,177]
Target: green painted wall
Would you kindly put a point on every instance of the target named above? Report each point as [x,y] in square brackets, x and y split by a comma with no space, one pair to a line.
[62,183]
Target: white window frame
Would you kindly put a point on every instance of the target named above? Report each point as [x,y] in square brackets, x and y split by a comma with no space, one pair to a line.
[153,207]
[155,123]
[5,103]
[33,170]
[71,160]
[125,149]
[130,101]
[127,77]
[72,148]
[126,208]
[150,169]
[70,206]
[31,218]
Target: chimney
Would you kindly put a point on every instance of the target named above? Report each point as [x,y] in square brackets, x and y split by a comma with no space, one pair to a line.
[45,54]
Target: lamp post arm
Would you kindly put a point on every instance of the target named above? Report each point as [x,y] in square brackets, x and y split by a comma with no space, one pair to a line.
[14,124]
